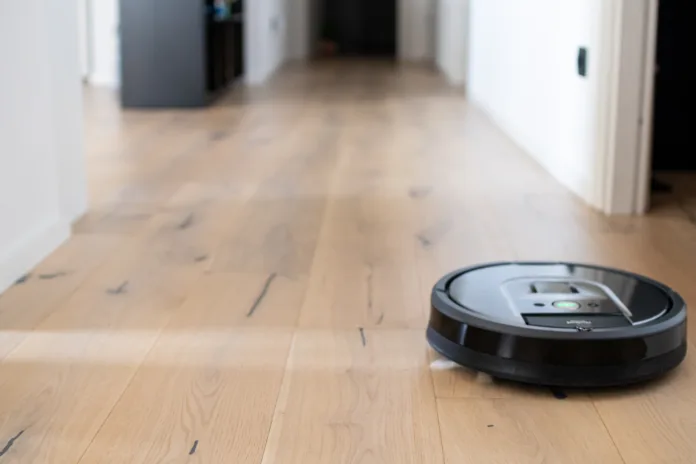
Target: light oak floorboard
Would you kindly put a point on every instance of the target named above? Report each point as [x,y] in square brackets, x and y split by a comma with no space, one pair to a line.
[251,284]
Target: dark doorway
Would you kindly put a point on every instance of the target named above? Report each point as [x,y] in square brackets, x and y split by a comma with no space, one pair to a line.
[673,183]
[674,88]
[360,27]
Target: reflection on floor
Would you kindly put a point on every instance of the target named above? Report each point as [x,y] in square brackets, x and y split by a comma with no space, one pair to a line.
[251,285]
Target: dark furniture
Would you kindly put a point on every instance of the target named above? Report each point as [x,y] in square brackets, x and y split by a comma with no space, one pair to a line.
[238,34]
[174,53]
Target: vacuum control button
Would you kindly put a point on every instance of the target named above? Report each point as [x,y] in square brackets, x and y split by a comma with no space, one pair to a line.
[567,305]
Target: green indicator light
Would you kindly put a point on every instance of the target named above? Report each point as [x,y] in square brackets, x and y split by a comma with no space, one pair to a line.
[566,305]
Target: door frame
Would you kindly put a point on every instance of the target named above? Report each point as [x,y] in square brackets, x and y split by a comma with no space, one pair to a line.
[625,106]
[644,174]
[84,18]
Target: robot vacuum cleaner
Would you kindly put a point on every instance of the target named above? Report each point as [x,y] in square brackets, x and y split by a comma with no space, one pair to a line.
[558,324]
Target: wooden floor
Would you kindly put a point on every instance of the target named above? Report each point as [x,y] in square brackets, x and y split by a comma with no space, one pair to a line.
[251,285]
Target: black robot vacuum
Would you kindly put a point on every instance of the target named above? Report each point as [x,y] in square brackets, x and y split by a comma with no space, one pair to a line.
[558,324]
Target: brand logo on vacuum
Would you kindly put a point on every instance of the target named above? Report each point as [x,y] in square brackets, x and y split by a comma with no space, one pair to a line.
[578,322]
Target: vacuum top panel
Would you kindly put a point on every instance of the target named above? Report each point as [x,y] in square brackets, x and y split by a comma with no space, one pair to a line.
[557,296]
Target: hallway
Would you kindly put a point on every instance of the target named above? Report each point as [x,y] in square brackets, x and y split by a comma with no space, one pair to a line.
[251,285]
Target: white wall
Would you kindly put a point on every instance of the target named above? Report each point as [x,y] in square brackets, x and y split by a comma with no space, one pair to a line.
[522,71]
[299,28]
[40,190]
[83,37]
[452,32]
[416,41]
[265,38]
[64,58]
[104,46]
[278,33]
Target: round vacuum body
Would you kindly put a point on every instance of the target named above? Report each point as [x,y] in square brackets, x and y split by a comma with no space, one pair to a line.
[558,324]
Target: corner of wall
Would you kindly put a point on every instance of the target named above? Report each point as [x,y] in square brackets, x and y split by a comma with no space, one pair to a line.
[75,211]
[31,250]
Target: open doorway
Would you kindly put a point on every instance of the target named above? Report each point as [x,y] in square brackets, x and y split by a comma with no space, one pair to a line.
[642,107]
[358,28]
[673,180]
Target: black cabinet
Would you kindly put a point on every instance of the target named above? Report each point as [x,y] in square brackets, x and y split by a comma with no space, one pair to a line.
[220,60]
[174,53]
[238,42]
[238,33]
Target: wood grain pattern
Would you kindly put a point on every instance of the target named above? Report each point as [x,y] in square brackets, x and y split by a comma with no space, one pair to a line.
[216,389]
[61,382]
[654,423]
[44,290]
[528,430]
[251,284]
[356,396]
[212,378]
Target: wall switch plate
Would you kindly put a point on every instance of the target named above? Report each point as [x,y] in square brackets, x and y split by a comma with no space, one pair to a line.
[582,61]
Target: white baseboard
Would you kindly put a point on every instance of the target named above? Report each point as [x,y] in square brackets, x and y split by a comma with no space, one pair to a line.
[75,211]
[23,256]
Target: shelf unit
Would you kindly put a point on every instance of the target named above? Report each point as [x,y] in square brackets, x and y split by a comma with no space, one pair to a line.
[174,54]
